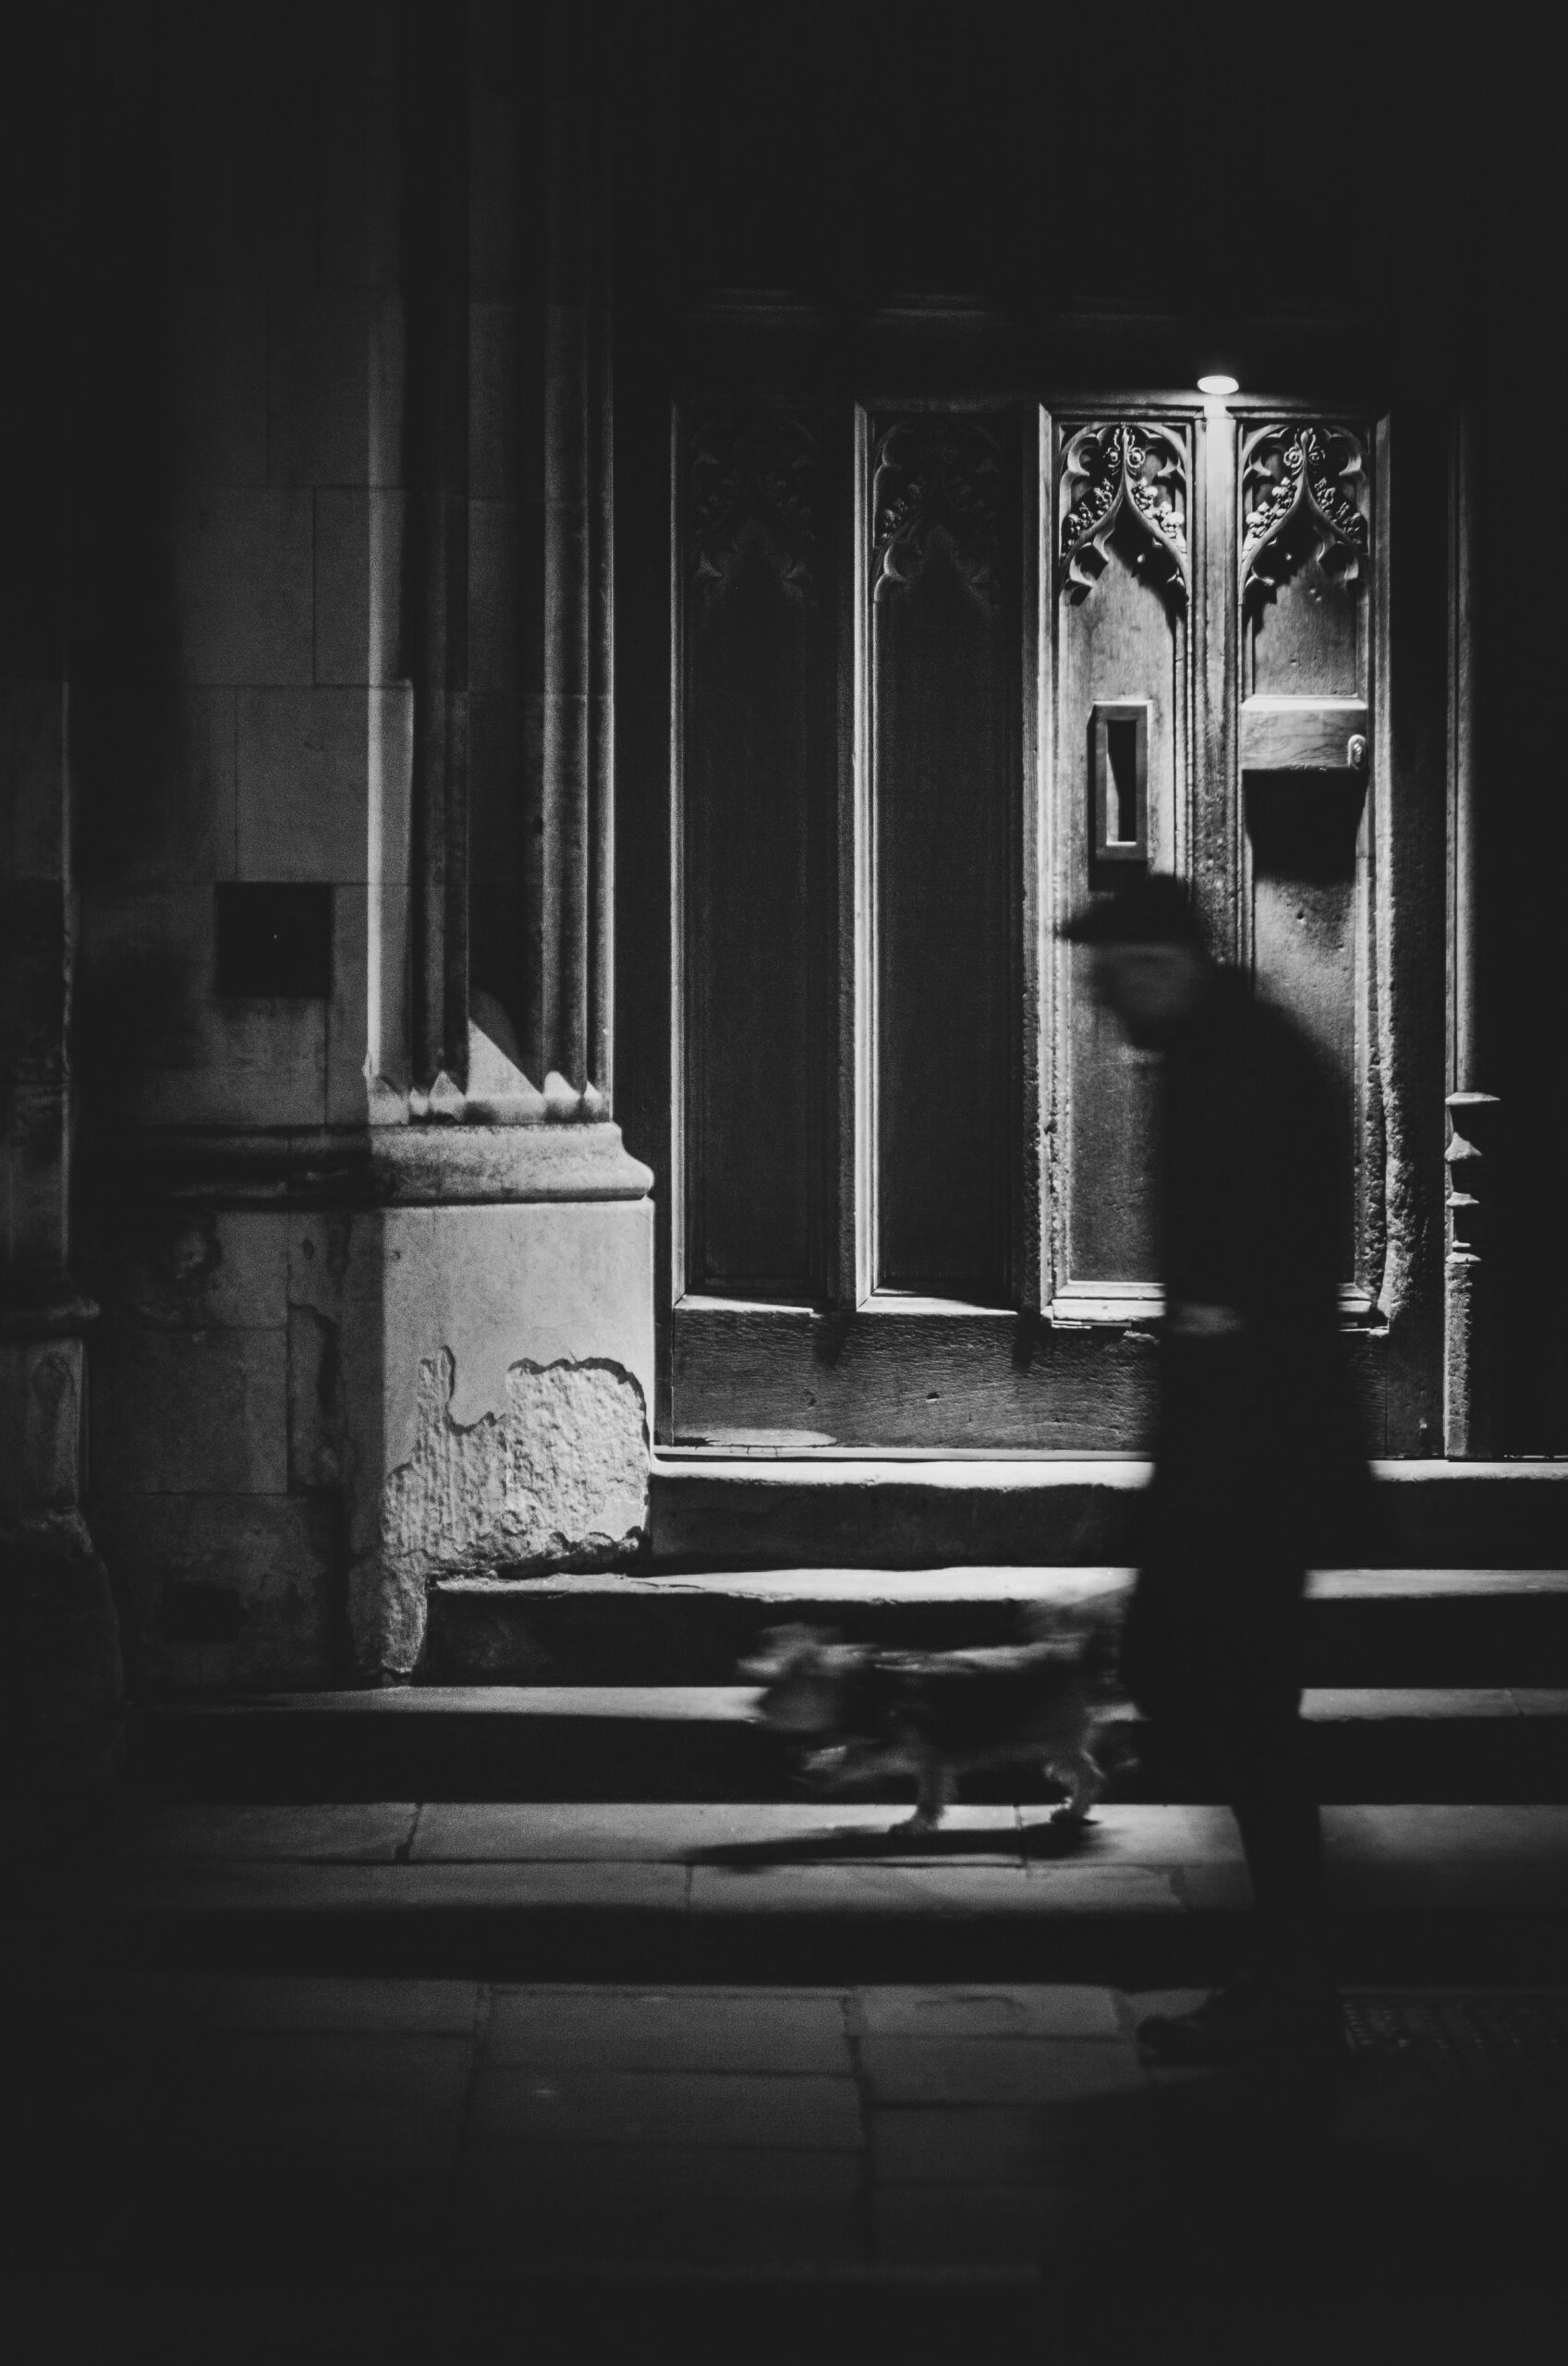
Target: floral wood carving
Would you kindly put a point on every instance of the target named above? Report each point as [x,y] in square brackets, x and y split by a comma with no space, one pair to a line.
[936,479]
[1118,471]
[753,488]
[1302,492]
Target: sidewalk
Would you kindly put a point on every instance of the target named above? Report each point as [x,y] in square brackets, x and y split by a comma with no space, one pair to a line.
[258,2167]
[711,1890]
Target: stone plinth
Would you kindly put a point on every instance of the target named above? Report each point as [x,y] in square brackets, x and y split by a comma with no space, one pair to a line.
[499,1362]
[337,1366]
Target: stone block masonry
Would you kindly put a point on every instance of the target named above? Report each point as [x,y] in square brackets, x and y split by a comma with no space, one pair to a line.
[220,1531]
[305,1416]
[344,1354]
[504,1358]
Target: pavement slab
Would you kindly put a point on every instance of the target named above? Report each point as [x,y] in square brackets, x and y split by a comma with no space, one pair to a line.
[977,2224]
[1008,2143]
[1169,1834]
[657,2030]
[416,2142]
[933,1888]
[502,2174]
[1044,2009]
[1211,1889]
[688,2108]
[376,1832]
[499,2135]
[1147,1894]
[729,2220]
[315,2066]
[998,2070]
[227,1885]
[469,1831]
[1450,1834]
[430,2007]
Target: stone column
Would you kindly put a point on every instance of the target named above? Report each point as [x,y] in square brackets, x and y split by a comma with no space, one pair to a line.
[60,1683]
[436,275]
[571,1045]
[1469,1391]
[497,1306]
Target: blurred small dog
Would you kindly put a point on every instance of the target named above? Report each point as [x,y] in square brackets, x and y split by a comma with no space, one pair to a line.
[935,1715]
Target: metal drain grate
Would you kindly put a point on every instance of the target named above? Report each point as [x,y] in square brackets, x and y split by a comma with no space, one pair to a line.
[1514,2043]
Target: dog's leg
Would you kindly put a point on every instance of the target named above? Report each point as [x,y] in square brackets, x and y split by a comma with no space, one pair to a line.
[933,1798]
[1084,1783]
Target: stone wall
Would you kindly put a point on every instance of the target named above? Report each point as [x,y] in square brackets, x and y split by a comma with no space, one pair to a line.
[238,747]
[331,311]
[229,730]
[215,1468]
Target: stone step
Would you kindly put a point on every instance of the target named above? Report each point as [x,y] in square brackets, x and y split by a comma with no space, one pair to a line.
[694,1742]
[1378,1626]
[756,1511]
[623,1891]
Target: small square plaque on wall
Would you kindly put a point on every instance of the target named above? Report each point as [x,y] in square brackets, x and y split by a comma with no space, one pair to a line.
[274,940]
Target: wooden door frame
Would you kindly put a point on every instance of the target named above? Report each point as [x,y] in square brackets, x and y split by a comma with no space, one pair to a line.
[1406,836]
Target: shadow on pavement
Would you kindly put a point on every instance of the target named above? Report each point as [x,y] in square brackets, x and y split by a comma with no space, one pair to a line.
[834,1845]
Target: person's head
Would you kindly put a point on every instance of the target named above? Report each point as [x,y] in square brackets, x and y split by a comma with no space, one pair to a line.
[1151,965]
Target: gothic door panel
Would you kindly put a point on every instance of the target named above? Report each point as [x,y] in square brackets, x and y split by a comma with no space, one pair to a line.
[943,645]
[942,674]
[1118,623]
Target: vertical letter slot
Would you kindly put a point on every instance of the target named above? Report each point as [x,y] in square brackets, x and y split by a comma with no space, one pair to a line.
[1119,781]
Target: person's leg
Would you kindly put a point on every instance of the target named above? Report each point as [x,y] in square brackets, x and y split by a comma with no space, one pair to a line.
[1258,1758]
[1271,1780]
[1273,1798]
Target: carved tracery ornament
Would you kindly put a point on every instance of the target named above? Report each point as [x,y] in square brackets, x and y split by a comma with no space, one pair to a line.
[1115,473]
[936,479]
[1302,492]
[753,488]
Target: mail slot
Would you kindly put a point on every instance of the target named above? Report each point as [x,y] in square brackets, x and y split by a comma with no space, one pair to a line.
[1119,781]
[1285,735]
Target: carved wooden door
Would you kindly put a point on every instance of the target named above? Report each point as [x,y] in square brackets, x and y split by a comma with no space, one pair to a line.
[941,673]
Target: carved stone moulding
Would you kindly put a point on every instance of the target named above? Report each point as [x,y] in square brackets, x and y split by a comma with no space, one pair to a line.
[1121,472]
[751,486]
[366,1166]
[1304,494]
[937,480]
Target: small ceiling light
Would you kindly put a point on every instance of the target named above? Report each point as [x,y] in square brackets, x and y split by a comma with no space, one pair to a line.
[1216,382]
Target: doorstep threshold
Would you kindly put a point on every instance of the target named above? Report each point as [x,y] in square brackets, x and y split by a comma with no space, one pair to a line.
[736,1703]
[1050,1465]
[959,1582]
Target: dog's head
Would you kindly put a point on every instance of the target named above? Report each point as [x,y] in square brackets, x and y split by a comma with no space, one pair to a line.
[806,1673]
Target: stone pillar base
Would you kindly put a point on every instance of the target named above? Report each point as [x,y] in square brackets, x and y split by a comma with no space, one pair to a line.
[338,1366]
[498,1369]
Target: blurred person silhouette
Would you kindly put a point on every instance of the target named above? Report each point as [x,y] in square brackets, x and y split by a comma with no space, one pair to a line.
[1258,1466]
